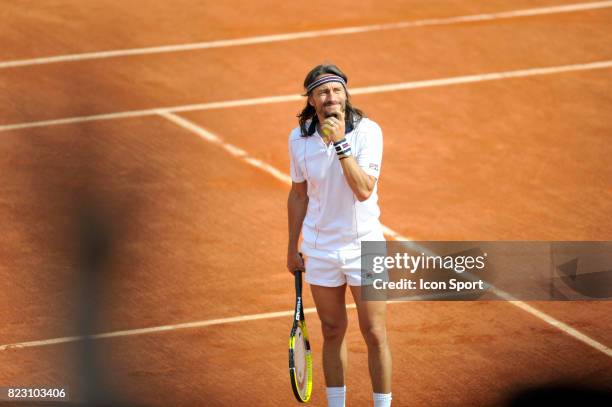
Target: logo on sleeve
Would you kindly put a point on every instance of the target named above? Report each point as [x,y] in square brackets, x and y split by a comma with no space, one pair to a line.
[374,166]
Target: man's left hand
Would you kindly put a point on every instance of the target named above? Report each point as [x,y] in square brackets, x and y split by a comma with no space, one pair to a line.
[334,127]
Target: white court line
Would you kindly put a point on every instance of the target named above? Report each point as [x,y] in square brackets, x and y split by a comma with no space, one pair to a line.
[308,34]
[156,329]
[393,87]
[174,327]
[233,150]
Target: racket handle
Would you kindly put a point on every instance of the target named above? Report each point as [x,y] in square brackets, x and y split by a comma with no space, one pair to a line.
[298,282]
[297,273]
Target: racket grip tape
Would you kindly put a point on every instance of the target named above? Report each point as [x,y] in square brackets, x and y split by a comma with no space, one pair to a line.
[298,281]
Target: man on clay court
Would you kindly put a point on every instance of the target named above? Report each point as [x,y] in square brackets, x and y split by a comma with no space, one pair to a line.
[336,155]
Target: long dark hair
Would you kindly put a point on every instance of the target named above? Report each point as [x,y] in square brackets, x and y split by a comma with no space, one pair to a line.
[352,115]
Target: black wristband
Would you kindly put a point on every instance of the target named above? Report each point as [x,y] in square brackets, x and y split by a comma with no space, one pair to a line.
[343,148]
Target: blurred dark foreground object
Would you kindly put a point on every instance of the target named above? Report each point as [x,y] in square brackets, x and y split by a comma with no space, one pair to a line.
[561,395]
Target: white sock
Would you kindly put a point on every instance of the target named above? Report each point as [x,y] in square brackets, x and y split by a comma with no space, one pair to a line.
[336,396]
[382,399]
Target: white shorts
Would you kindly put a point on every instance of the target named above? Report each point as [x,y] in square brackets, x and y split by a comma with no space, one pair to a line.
[333,268]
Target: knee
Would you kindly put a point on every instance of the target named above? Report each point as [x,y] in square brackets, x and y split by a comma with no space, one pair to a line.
[375,336]
[333,330]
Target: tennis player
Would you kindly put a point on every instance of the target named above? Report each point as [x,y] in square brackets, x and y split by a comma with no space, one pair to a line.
[336,155]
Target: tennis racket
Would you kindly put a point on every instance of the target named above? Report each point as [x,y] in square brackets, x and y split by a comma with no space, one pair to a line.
[300,358]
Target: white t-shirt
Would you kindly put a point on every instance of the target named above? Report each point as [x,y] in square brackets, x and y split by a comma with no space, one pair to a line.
[335,219]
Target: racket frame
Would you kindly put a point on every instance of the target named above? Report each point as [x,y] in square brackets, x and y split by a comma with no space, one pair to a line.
[299,322]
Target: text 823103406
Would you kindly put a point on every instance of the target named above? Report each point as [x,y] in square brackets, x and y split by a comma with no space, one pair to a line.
[38,393]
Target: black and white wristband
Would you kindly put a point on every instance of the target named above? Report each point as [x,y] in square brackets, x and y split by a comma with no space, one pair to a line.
[343,149]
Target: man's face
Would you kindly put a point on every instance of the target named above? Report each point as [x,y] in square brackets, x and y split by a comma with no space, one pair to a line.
[328,99]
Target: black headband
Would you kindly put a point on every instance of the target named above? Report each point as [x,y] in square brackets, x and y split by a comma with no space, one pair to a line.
[326,79]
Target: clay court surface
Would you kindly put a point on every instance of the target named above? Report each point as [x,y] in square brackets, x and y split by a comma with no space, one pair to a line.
[186,197]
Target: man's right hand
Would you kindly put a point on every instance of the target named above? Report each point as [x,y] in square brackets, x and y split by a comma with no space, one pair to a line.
[294,261]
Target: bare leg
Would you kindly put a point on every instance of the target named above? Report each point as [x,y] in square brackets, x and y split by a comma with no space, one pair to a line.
[372,323]
[331,308]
